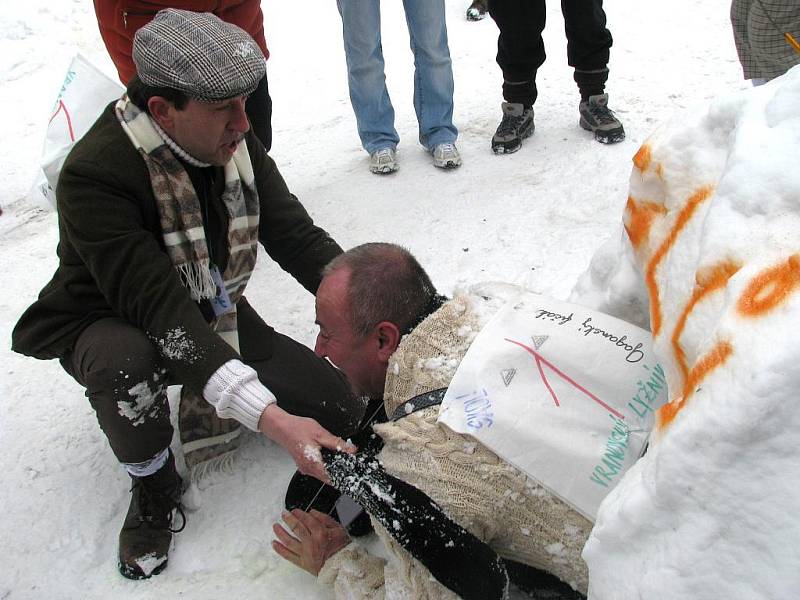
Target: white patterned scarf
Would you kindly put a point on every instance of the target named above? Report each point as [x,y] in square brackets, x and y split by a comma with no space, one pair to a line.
[182,218]
[208,441]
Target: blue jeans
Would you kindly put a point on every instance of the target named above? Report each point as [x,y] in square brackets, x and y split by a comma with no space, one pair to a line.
[433,73]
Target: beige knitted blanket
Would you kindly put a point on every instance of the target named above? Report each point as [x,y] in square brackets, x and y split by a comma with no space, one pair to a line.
[517,517]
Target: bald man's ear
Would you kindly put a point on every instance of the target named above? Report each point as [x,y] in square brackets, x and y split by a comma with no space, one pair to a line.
[388,339]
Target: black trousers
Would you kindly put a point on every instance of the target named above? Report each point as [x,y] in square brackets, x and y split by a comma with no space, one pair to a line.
[127,385]
[520,49]
[259,111]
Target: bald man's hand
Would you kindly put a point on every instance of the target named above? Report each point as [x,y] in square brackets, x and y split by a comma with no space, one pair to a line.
[314,538]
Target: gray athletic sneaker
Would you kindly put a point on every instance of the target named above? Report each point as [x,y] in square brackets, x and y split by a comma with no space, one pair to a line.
[597,117]
[446,156]
[517,124]
[383,161]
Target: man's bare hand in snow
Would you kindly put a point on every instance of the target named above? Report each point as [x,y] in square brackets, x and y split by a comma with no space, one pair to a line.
[302,438]
[314,538]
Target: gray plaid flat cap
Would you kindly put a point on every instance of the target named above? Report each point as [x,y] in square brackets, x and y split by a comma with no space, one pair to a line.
[198,54]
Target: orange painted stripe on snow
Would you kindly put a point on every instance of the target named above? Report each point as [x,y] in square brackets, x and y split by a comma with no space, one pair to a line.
[643,158]
[711,361]
[770,288]
[640,219]
[684,216]
[708,281]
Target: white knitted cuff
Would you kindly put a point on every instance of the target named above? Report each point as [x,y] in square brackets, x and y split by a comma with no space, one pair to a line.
[235,392]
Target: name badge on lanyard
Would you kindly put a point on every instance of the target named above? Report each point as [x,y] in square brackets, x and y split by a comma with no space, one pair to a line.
[221,303]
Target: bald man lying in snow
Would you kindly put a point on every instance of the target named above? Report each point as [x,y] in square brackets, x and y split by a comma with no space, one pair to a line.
[383,343]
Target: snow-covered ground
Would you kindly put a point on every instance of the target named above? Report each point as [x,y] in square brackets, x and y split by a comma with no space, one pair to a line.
[534,218]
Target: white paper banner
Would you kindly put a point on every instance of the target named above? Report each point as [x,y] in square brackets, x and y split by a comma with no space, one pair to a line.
[562,392]
[86,91]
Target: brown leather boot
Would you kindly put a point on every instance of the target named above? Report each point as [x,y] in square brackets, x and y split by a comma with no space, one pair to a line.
[146,535]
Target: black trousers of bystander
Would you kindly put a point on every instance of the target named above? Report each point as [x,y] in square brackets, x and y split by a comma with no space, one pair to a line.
[520,48]
[259,111]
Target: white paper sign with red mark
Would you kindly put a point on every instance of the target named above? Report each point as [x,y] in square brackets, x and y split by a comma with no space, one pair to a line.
[564,393]
[83,96]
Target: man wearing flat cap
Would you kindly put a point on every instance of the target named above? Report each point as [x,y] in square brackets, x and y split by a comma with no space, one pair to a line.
[161,206]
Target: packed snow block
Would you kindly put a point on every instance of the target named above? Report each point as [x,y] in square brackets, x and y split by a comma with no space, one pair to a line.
[713,227]
[612,284]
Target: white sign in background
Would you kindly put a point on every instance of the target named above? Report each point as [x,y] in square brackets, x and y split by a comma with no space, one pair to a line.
[564,393]
[85,92]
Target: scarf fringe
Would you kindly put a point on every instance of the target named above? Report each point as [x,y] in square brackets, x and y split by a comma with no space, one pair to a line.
[196,276]
[207,470]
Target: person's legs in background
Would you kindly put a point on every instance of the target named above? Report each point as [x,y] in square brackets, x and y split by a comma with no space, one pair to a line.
[433,79]
[520,53]
[259,111]
[588,45]
[366,79]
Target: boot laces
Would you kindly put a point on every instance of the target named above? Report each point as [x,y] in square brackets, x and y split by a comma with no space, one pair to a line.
[510,124]
[155,508]
[602,114]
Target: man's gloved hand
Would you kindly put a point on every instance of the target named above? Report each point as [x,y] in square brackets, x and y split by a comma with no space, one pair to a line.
[302,438]
[314,538]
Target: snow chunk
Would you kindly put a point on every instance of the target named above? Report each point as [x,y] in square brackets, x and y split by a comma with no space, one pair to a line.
[312,453]
[177,345]
[150,562]
[141,403]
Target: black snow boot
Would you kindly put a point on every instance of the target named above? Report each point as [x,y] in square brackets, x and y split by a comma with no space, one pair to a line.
[146,535]
[517,124]
[598,118]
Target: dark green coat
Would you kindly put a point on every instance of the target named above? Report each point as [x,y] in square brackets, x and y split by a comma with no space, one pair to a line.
[112,260]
